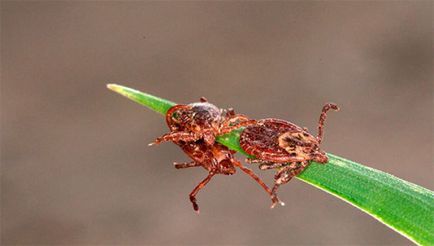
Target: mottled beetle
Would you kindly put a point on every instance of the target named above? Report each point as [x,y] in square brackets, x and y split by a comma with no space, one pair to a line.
[201,120]
[281,144]
[194,127]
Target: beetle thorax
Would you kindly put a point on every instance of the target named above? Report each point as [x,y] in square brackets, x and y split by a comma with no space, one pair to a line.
[204,116]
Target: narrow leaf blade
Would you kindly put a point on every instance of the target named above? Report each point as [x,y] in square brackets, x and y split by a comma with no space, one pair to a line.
[154,103]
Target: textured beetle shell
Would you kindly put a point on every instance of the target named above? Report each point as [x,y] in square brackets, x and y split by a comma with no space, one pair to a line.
[200,116]
[263,141]
[216,157]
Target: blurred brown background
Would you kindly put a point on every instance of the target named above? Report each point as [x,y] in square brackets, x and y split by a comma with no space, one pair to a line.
[76,168]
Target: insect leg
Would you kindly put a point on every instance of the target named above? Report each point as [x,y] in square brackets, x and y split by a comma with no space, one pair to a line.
[264,165]
[228,128]
[203,99]
[198,188]
[232,118]
[176,137]
[285,174]
[186,164]
[271,165]
[249,172]
[323,117]
[230,112]
[208,137]
[237,117]
[254,161]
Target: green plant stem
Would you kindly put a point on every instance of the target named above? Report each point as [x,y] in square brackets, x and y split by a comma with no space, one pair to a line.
[403,206]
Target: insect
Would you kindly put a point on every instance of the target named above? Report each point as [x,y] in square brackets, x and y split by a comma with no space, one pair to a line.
[215,158]
[201,120]
[281,144]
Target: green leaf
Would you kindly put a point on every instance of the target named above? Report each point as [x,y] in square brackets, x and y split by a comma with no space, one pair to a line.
[154,103]
[403,206]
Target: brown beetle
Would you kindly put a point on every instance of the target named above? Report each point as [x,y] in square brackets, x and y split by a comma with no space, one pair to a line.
[281,144]
[201,120]
[187,133]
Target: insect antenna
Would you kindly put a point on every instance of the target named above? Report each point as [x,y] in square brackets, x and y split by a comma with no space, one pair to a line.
[323,117]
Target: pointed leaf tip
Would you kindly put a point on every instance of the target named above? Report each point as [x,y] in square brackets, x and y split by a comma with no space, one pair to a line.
[115,87]
[111,86]
[155,103]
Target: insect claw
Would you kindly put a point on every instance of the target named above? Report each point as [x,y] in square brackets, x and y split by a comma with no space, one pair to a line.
[276,200]
[203,99]
[196,207]
[275,203]
[334,106]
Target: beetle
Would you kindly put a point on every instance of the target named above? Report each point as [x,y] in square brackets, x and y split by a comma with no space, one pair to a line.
[201,120]
[215,158]
[276,143]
